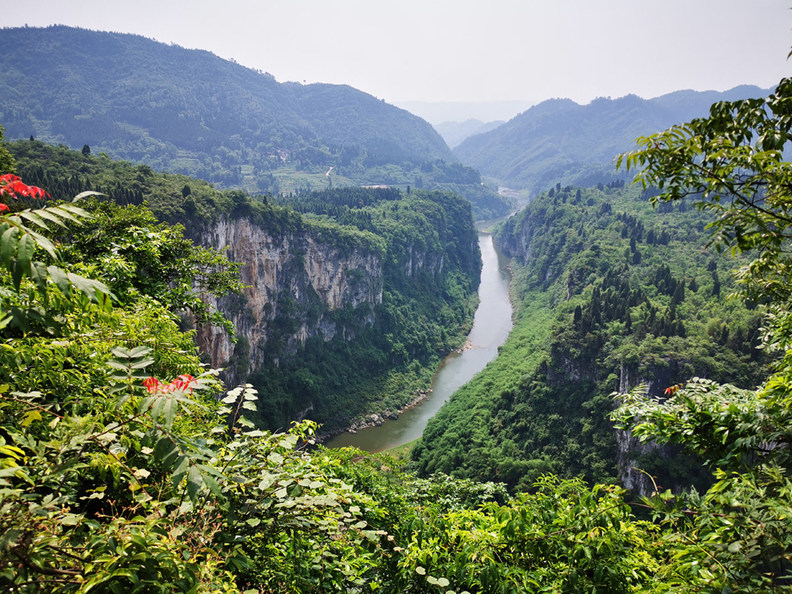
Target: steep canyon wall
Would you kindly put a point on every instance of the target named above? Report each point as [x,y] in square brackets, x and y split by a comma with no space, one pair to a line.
[293,280]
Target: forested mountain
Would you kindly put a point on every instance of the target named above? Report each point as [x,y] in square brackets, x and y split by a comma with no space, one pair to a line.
[561,141]
[191,112]
[126,466]
[609,294]
[351,295]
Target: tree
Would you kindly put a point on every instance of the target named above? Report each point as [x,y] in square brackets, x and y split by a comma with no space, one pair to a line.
[732,162]
[738,536]
[7,164]
[86,150]
[134,254]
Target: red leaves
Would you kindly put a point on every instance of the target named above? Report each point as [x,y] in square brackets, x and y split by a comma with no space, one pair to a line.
[180,384]
[13,186]
[672,389]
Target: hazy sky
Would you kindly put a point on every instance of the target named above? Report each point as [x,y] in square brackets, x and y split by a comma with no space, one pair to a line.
[463,50]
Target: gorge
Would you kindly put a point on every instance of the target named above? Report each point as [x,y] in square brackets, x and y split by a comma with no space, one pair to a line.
[491,326]
[162,408]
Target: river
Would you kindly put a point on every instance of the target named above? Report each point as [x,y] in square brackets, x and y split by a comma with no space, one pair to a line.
[491,327]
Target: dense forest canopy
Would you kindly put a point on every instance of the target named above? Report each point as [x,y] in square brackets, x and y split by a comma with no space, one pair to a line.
[126,466]
[610,293]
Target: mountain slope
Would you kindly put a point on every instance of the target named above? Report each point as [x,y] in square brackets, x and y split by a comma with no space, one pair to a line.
[189,99]
[609,293]
[562,141]
[191,112]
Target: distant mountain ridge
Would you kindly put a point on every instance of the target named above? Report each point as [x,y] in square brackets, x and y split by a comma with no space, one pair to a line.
[561,141]
[454,133]
[191,112]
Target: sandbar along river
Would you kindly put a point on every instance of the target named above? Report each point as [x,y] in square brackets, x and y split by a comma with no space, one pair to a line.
[491,327]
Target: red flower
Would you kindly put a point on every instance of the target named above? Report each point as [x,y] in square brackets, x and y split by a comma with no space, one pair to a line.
[13,186]
[152,384]
[181,383]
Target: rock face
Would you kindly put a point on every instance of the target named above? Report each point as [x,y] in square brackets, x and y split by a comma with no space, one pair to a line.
[335,315]
[294,284]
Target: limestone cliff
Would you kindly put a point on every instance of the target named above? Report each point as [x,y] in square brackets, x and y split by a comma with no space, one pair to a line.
[294,281]
[351,294]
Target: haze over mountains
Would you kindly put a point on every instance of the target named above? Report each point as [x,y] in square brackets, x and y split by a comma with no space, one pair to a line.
[562,141]
[454,133]
[190,112]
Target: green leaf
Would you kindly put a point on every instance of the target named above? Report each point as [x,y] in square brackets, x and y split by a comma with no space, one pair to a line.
[43,213]
[86,194]
[33,217]
[64,213]
[169,410]
[8,245]
[60,279]
[181,468]
[194,482]
[89,287]
[142,363]
[139,351]
[17,272]
[38,274]
[25,250]
[31,416]
[156,408]
[211,483]
[43,243]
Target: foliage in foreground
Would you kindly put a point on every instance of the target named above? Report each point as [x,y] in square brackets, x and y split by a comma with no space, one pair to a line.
[120,470]
[114,480]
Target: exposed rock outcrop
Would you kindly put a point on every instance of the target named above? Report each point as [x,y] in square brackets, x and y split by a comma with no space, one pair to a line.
[294,280]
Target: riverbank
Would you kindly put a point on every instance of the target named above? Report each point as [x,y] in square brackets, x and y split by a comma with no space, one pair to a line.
[491,326]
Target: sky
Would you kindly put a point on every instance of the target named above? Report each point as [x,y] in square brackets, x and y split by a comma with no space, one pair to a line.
[463,51]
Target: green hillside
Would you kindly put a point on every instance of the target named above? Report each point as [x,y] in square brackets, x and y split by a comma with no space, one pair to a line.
[609,293]
[562,141]
[188,111]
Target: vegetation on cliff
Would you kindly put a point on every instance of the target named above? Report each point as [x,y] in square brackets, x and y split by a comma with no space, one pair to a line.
[431,266]
[380,357]
[610,293]
[124,466]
